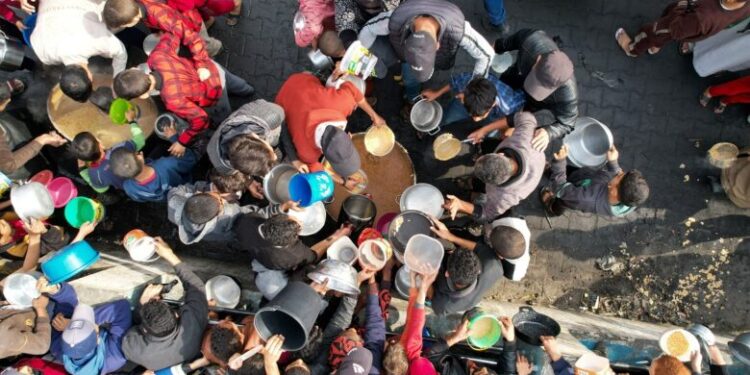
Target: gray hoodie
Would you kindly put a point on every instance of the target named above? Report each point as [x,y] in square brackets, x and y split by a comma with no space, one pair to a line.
[258,117]
[218,228]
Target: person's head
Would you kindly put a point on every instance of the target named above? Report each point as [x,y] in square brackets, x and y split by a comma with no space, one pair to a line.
[158,319]
[550,71]
[281,230]
[102,98]
[225,342]
[463,268]
[120,14]
[667,365]
[297,367]
[420,48]
[339,150]
[479,98]
[314,345]
[126,163]
[507,242]
[86,147]
[227,183]
[494,169]
[202,208]
[75,82]
[633,189]
[132,83]
[331,45]
[251,155]
[395,361]
[342,346]
[473,368]
[80,337]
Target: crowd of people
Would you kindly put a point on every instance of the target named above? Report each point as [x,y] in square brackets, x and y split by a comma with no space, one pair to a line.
[504,117]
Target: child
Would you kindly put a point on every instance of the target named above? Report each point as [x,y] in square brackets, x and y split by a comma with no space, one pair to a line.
[608,192]
[150,181]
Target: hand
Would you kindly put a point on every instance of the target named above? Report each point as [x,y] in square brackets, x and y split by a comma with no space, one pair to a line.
[34,227]
[272,350]
[365,274]
[345,230]
[337,72]
[203,74]
[170,131]
[131,114]
[523,367]
[86,229]
[351,183]
[177,150]
[540,140]
[550,346]
[427,280]
[40,303]
[52,139]
[27,7]
[431,94]
[301,167]
[562,154]
[290,205]
[696,361]
[440,229]
[454,205]
[477,136]
[378,121]
[255,189]
[321,288]
[151,292]
[235,361]
[59,323]
[44,287]
[506,327]
[20,25]
[613,154]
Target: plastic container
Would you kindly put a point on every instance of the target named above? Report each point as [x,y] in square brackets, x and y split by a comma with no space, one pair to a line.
[20,289]
[592,364]
[313,218]
[81,210]
[588,143]
[43,177]
[358,60]
[308,188]
[62,190]
[424,254]
[292,314]
[31,200]
[484,329]
[69,261]
[224,290]
[140,246]
[119,108]
[343,249]
[374,254]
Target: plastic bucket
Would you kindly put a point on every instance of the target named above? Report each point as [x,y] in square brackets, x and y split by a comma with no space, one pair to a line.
[592,364]
[358,60]
[43,177]
[62,190]
[588,143]
[308,188]
[292,314]
[224,290]
[32,200]
[484,329]
[358,210]
[20,289]
[140,246]
[118,109]
[69,261]
[81,210]
[374,254]
[423,254]
[343,250]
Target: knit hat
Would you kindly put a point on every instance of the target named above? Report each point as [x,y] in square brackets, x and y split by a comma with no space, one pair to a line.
[357,362]
[421,366]
[79,338]
[339,150]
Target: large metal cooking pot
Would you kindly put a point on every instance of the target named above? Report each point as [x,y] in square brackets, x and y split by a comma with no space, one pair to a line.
[424,198]
[531,325]
[11,53]
[341,276]
[425,116]
[319,60]
[358,210]
[403,227]
[276,183]
[740,348]
[588,143]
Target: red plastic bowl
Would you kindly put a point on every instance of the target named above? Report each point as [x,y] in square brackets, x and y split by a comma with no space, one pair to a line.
[43,177]
[62,191]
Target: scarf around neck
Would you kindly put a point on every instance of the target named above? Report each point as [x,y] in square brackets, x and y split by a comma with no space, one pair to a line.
[92,365]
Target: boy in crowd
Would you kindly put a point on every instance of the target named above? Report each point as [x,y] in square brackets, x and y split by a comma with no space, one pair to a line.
[609,191]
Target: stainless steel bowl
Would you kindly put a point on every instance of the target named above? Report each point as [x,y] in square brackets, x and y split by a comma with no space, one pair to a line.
[424,198]
[341,276]
[740,348]
[276,183]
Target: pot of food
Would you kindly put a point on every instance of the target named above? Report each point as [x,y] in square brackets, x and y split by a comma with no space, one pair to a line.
[276,183]
[359,211]
[723,154]
[11,53]
[379,140]
[319,60]
[425,116]
[292,314]
[740,348]
[588,143]
[446,147]
[531,325]
[341,276]
[424,198]
[403,227]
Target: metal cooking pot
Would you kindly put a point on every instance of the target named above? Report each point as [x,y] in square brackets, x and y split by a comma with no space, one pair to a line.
[425,116]
[358,210]
[358,82]
[531,325]
[341,276]
[588,143]
[276,183]
[319,60]
[424,198]
[167,119]
[740,348]
[404,226]
[11,53]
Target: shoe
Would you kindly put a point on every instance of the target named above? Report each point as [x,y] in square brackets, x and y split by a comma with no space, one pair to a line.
[249,91]
[502,29]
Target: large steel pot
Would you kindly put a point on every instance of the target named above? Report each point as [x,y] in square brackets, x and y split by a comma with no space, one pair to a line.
[276,183]
[588,143]
[425,116]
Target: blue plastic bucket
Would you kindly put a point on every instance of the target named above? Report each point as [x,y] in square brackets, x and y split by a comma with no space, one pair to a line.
[308,188]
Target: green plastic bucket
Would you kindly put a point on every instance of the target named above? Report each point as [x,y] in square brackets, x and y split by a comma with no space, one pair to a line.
[484,330]
[81,210]
[118,109]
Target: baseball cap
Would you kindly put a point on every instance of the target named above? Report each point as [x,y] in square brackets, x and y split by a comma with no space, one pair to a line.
[339,150]
[357,362]
[419,51]
[551,72]
[79,338]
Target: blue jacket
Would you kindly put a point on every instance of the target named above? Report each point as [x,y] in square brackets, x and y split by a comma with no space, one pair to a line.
[115,317]
[170,172]
[374,329]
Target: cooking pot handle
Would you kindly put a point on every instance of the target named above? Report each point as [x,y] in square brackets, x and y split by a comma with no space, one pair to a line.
[417,98]
[434,131]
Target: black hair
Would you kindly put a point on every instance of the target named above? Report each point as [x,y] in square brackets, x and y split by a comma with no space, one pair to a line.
[131,83]
[201,208]
[507,242]
[75,83]
[227,183]
[633,189]
[330,44]
[158,318]
[253,366]
[463,267]
[102,98]
[85,147]
[224,343]
[297,371]
[479,96]
[314,344]
[124,163]
[493,169]
[280,230]
[118,13]
[249,155]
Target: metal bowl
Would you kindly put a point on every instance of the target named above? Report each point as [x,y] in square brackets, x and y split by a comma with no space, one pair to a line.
[319,60]
[740,348]
[276,183]
[424,198]
[20,289]
[341,276]
[588,143]
[224,290]
[32,200]
[403,227]
[313,218]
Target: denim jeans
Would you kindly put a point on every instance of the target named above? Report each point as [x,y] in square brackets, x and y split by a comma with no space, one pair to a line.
[496,11]
[412,86]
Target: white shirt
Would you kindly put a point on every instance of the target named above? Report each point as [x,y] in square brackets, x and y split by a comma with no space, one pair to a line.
[71,31]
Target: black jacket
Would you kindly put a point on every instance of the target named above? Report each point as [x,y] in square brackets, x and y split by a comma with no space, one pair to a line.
[563,103]
[449,364]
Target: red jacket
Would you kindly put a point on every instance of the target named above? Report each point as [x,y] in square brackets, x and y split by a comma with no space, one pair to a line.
[411,339]
[185,25]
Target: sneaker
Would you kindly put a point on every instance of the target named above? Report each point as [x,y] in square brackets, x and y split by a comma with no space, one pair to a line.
[502,29]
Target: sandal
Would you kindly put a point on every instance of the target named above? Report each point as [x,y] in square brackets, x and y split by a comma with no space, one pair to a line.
[624,40]
[720,108]
[233,19]
[705,99]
